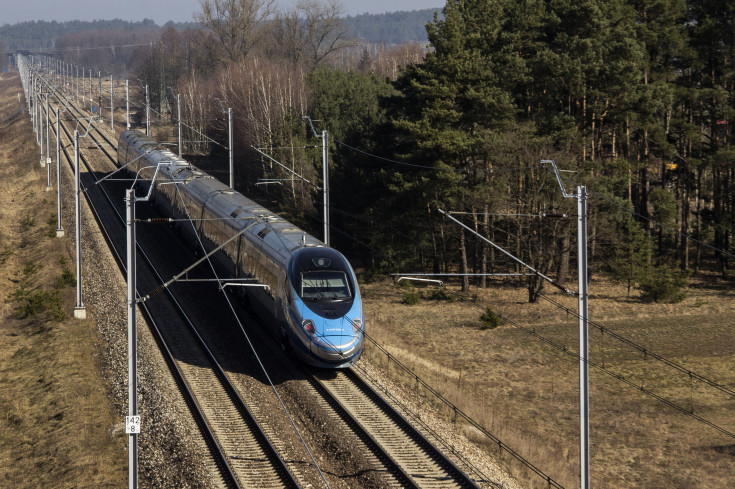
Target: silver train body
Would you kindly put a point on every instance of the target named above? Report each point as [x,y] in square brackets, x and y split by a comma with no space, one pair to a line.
[312,299]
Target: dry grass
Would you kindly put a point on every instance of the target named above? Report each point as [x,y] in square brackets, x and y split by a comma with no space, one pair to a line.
[526,392]
[55,418]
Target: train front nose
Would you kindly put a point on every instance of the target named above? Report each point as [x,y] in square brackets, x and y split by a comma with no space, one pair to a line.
[339,340]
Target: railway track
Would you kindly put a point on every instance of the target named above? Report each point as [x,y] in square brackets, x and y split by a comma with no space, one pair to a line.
[240,450]
[399,453]
[244,453]
[419,461]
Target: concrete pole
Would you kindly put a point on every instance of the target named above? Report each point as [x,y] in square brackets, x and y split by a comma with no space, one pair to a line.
[79,310]
[59,227]
[99,79]
[132,338]
[178,104]
[583,296]
[127,105]
[40,131]
[48,147]
[147,117]
[584,398]
[35,107]
[232,167]
[32,105]
[325,177]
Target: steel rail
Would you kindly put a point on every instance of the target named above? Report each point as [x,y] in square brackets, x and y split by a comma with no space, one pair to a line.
[458,476]
[449,473]
[190,399]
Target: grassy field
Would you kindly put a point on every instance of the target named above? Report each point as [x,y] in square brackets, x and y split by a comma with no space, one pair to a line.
[56,422]
[525,391]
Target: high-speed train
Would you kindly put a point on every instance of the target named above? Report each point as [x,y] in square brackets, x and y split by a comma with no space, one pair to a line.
[306,291]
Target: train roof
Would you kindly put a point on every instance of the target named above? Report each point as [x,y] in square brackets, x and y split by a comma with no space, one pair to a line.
[275,232]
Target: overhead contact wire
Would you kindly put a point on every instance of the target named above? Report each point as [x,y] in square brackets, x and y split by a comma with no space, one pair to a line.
[643,349]
[252,348]
[620,378]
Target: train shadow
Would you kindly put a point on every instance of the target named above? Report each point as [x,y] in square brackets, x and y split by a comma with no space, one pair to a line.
[241,341]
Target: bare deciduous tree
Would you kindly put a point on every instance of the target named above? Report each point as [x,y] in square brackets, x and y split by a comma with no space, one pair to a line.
[262,93]
[194,116]
[390,61]
[268,98]
[310,32]
[237,23]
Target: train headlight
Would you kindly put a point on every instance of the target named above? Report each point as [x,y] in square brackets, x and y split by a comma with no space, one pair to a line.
[308,326]
[357,325]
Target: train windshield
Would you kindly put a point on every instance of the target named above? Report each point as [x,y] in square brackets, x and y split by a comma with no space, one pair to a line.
[325,285]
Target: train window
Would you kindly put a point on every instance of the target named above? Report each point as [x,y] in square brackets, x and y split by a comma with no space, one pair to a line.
[324,285]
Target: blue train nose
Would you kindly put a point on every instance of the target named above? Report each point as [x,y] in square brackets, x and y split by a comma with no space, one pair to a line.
[336,339]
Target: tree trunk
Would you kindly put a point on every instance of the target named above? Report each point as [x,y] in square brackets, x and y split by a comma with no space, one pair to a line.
[483,264]
[477,249]
[698,221]
[434,248]
[463,256]
[684,241]
[535,285]
[564,251]
[444,247]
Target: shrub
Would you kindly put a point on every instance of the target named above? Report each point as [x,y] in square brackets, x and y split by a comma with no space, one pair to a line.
[411,297]
[441,295]
[489,319]
[5,254]
[66,278]
[27,222]
[664,285]
[51,226]
[31,304]
[30,268]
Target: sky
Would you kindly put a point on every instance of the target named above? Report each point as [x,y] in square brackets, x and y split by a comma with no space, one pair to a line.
[162,11]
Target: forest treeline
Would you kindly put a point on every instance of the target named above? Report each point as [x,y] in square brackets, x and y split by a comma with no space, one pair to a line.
[632,98]
[388,28]
[391,27]
[39,35]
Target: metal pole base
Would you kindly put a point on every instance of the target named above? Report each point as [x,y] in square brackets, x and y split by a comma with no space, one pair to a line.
[59,233]
[80,313]
[43,163]
[48,189]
